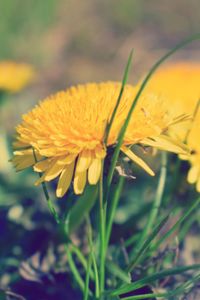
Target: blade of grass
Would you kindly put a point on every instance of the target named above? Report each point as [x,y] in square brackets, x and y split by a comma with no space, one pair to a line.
[117,272]
[151,278]
[102,233]
[82,259]
[186,226]
[124,81]
[141,252]
[107,131]
[113,206]
[74,269]
[181,289]
[176,225]
[155,207]
[126,123]
[132,240]
[91,245]
[87,280]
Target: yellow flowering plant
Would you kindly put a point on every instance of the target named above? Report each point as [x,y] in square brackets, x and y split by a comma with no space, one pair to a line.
[76,138]
[14,76]
[67,133]
[178,84]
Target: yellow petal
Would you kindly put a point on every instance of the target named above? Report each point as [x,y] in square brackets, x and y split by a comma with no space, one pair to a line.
[27,152]
[52,172]
[166,143]
[19,144]
[100,152]
[137,160]
[84,161]
[193,174]
[65,180]
[41,166]
[184,156]
[67,160]
[23,159]
[24,163]
[94,171]
[79,182]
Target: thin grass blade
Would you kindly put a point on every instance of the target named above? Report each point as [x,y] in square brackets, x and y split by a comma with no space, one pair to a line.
[124,81]
[176,225]
[151,278]
[141,252]
[118,272]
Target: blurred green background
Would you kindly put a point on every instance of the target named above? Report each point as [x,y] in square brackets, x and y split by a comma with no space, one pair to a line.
[70,42]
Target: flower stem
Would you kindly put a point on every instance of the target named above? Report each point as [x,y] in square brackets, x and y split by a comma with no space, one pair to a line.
[87,280]
[91,245]
[113,207]
[74,249]
[74,269]
[102,233]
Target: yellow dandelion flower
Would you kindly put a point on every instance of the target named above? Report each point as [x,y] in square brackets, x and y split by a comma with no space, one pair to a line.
[179,85]
[14,76]
[67,133]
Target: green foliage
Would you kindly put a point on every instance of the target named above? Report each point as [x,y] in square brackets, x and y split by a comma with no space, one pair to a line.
[23,20]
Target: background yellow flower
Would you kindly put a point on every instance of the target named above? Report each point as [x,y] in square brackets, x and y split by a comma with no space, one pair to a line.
[179,85]
[14,76]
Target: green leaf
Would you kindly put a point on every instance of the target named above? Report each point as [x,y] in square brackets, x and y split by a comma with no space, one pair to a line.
[176,225]
[180,290]
[82,207]
[124,81]
[117,271]
[149,279]
[87,280]
[147,243]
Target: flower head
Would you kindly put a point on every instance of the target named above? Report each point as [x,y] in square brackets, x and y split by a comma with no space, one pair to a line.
[14,76]
[179,84]
[67,133]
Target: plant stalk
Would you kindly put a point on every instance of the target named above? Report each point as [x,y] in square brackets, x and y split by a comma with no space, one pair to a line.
[102,233]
